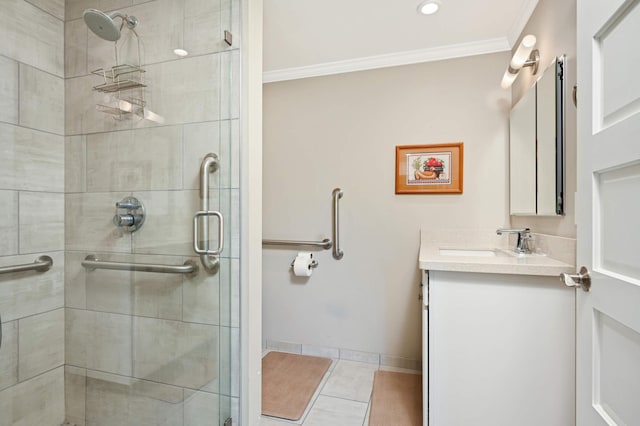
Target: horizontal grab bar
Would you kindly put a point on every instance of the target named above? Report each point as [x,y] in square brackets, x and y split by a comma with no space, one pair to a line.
[326,244]
[189,267]
[41,264]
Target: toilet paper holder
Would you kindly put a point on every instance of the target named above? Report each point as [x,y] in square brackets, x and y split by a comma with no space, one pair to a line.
[314,263]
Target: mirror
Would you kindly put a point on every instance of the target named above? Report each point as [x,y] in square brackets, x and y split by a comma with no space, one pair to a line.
[536,146]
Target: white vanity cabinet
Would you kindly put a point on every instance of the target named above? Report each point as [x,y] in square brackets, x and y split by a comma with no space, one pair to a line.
[500,350]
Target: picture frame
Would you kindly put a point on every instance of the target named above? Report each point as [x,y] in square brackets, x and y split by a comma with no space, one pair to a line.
[430,169]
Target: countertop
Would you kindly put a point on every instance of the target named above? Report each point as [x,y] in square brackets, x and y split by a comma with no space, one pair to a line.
[504,262]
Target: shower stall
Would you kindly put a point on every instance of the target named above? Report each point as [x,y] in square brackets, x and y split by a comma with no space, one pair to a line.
[106,118]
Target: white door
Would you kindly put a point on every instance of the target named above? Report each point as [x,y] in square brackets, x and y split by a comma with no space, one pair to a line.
[608,212]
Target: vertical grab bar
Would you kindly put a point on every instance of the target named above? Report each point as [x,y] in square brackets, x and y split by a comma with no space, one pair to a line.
[337,253]
[201,233]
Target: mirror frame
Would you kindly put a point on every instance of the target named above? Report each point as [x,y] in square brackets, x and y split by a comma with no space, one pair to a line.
[560,133]
[555,197]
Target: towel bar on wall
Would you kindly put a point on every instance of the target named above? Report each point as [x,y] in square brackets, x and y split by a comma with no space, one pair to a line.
[325,244]
[189,267]
[41,264]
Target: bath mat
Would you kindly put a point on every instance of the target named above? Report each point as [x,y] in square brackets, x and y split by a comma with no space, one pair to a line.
[396,399]
[288,383]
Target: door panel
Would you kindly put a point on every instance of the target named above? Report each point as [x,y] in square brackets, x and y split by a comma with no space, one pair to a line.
[608,319]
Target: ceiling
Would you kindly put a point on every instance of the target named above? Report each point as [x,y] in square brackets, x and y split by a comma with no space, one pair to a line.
[304,38]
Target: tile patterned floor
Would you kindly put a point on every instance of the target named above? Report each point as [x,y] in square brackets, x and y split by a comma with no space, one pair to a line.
[343,397]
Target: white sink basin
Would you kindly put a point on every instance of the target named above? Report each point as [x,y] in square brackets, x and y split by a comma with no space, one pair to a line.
[468,252]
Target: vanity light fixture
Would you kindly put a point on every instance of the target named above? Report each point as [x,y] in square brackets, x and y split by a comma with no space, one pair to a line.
[429,7]
[525,56]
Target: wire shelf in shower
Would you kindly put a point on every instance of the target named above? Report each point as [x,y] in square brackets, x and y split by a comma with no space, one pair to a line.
[119,77]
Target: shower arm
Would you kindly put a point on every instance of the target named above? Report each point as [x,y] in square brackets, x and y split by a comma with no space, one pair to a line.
[131,21]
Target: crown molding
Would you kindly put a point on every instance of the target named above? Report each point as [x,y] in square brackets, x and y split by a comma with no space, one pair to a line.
[518,26]
[389,60]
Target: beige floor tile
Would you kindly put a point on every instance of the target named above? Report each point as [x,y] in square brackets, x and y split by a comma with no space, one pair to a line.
[335,411]
[351,380]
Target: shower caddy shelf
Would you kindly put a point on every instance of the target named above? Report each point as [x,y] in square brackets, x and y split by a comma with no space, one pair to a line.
[121,79]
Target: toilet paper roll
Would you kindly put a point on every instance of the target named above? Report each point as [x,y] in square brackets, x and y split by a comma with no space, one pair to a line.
[302,264]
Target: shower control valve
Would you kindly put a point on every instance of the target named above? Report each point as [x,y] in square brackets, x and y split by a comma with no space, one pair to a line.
[129,215]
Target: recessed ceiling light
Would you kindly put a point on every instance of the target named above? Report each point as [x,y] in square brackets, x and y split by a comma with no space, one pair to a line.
[180,52]
[428,7]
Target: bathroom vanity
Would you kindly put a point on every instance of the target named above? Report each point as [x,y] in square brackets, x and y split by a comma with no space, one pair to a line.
[498,336]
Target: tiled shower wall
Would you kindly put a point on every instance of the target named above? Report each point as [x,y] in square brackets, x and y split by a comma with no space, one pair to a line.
[32,211]
[147,343]
[148,348]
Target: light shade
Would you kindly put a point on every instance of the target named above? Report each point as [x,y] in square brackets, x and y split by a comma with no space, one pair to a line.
[522,53]
[524,56]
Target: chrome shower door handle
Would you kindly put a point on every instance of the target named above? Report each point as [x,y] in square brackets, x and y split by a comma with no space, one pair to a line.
[204,238]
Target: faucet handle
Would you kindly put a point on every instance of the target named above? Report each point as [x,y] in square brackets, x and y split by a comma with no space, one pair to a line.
[524,236]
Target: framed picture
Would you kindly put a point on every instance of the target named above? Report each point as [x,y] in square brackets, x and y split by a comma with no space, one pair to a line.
[429,169]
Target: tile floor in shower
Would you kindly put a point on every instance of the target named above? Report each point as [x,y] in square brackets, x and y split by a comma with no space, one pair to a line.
[343,397]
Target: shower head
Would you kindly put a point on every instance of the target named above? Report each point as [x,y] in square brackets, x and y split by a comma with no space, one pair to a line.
[104,26]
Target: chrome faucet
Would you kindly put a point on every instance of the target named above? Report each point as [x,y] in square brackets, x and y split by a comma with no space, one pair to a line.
[522,245]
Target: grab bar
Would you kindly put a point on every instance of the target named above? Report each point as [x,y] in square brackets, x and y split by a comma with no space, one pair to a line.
[210,264]
[41,264]
[91,262]
[326,244]
[337,253]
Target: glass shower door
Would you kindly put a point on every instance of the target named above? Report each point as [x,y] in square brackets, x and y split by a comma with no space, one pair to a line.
[144,346]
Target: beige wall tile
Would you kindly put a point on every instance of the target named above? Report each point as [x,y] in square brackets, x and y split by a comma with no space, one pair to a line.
[46,392]
[115,400]
[201,295]
[75,48]
[230,292]
[31,160]
[41,345]
[75,164]
[228,380]
[32,36]
[54,7]
[201,139]
[230,84]
[9,354]
[74,280]
[81,115]
[41,100]
[169,228]
[230,154]
[174,352]
[98,340]
[41,222]
[203,32]
[74,8]
[144,159]
[8,90]
[201,408]
[185,91]
[136,293]
[8,223]
[29,293]
[74,394]
[89,223]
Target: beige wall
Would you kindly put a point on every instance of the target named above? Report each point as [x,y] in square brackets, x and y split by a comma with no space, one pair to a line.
[32,211]
[554,25]
[341,131]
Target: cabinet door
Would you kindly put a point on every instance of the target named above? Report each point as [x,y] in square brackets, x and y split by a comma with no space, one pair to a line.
[501,350]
